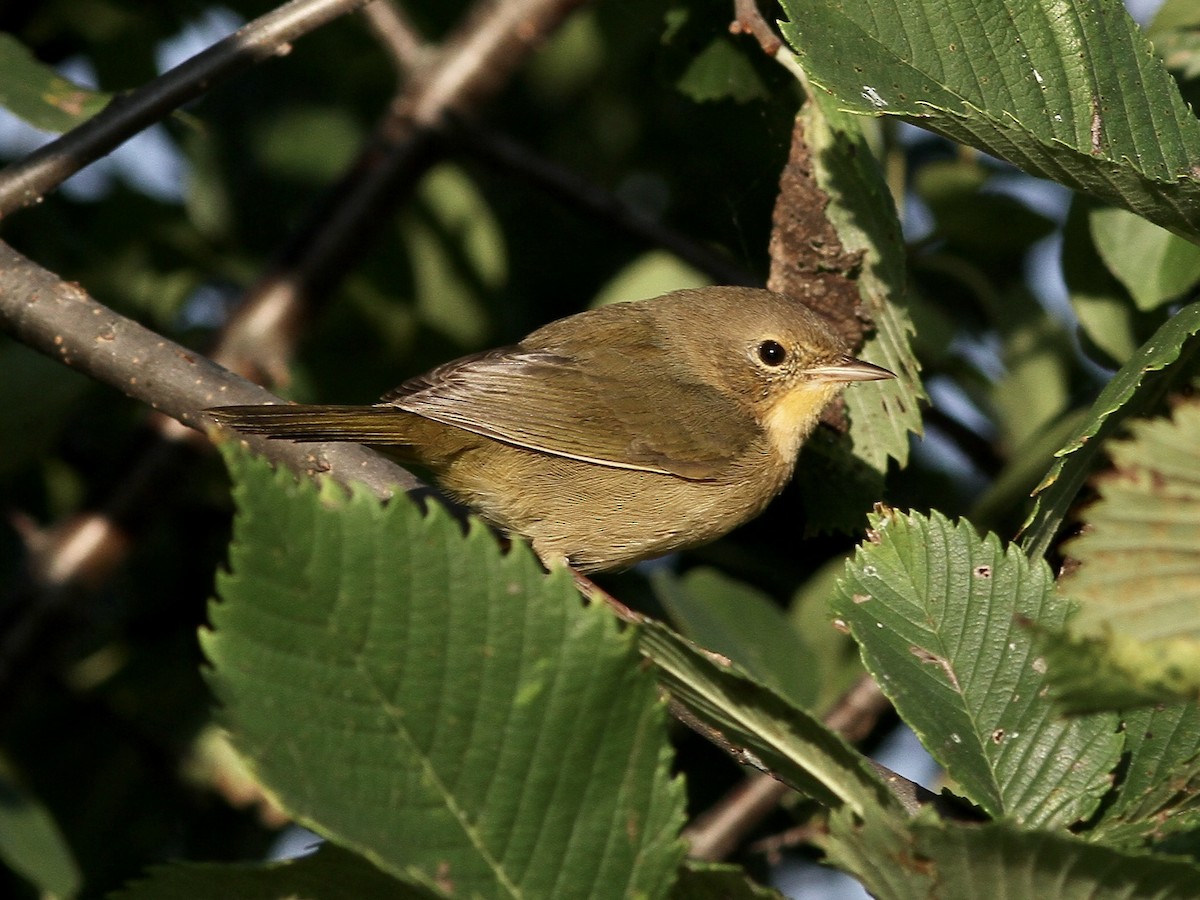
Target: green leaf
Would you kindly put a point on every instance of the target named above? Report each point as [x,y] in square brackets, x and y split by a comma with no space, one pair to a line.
[733,619]
[330,873]
[933,858]
[715,881]
[654,272]
[1102,304]
[771,734]
[880,854]
[39,95]
[861,210]
[1155,265]
[1070,90]
[1174,14]
[447,710]
[38,397]
[997,860]
[721,71]
[284,144]
[1138,578]
[1159,793]
[1128,393]
[457,252]
[938,613]
[31,844]
[834,653]
[1032,393]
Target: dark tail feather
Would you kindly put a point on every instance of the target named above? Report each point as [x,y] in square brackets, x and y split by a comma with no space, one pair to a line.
[378,425]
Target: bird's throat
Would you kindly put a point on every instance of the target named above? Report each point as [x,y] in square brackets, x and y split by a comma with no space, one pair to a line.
[795,414]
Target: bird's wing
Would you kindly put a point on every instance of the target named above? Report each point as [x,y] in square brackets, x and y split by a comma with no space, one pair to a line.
[616,413]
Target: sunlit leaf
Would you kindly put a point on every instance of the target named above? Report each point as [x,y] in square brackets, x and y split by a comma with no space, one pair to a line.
[861,210]
[772,734]
[414,694]
[39,95]
[31,844]
[1138,575]
[1103,116]
[1158,791]
[1128,393]
[1155,265]
[938,612]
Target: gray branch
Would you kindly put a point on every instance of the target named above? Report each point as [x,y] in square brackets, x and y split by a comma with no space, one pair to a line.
[26,182]
[60,320]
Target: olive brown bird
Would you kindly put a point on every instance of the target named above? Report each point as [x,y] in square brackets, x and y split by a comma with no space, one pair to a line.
[614,435]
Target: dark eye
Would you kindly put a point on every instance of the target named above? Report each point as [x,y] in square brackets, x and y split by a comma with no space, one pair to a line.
[772,353]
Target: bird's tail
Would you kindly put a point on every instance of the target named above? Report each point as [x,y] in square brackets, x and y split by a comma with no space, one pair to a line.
[378,425]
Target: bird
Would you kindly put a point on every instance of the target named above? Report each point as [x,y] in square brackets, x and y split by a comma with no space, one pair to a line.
[613,435]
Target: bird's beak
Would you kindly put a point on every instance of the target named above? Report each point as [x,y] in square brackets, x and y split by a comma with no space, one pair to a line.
[849,369]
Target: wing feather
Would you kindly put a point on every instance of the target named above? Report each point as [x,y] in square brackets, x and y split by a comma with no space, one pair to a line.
[607,408]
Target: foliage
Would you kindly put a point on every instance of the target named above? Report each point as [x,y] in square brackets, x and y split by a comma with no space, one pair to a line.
[449,718]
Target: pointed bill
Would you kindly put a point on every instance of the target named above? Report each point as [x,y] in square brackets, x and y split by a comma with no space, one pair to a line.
[849,369]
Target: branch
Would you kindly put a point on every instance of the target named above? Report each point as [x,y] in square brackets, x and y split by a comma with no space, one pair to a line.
[748,19]
[60,320]
[472,65]
[26,182]
[396,34]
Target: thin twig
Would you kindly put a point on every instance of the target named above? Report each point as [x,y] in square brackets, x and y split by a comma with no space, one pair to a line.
[747,19]
[26,182]
[473,64]
[396,34]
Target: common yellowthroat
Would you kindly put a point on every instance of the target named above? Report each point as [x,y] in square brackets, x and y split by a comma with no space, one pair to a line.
[613,435]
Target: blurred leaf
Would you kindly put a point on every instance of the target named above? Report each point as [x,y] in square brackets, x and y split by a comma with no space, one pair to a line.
[721,71]
[770,733]
[1032,393]
[982,222]
[861,210]
[1155,265]
[1138,578]
[1174,14]
[458,255]
[571,59]
[39,95]
[1159,791]
[938,614]
[443,682]
[731,618]
[308,144]
[653,273]
[834,653]
[330,873]
[1180,52]
[717,881]
[38,396]
[1127,394]
[1104,118]
[31,844]
[1105,310]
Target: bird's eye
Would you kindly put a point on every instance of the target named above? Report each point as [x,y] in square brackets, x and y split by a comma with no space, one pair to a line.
[772,353]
